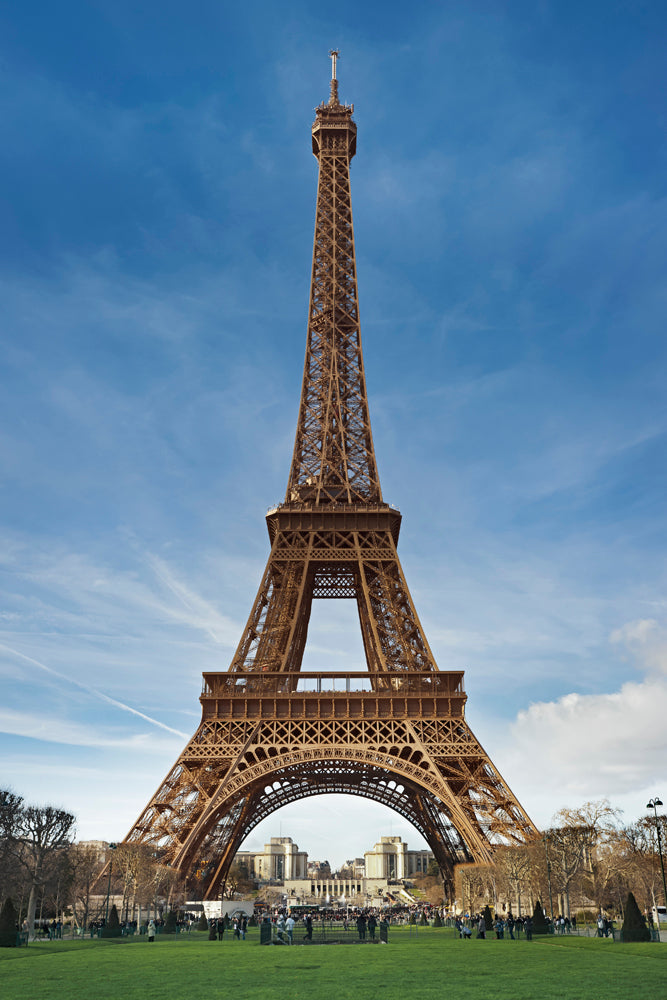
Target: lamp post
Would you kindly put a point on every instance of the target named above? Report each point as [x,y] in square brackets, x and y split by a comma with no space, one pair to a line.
[546,851]
[112,847]
[653,804]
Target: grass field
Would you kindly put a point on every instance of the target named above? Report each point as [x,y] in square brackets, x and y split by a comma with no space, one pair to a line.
[432,964]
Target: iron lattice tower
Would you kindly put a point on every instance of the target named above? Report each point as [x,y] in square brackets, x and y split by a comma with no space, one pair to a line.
[271,734]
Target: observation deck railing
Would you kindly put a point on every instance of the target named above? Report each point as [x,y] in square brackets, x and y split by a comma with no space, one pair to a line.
[412,682]
[334,695]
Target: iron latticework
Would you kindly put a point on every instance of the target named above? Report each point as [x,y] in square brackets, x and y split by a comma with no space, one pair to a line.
[271,734]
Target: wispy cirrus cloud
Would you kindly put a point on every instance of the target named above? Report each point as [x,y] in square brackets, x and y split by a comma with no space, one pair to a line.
[44,728]
[89,690]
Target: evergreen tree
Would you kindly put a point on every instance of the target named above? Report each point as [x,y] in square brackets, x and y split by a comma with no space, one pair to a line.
[213,931]
[203,922]
[540,925]
[112,927]
[170,923]
[437,921]
[8,925]
[422,920]
[488,918]
[634,925]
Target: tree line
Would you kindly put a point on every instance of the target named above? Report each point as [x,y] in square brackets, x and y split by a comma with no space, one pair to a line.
[586,860]
[48,875]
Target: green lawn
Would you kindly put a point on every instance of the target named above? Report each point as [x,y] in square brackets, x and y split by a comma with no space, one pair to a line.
[431,964]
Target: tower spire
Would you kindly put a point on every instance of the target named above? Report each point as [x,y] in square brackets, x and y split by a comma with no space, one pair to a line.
[333,99]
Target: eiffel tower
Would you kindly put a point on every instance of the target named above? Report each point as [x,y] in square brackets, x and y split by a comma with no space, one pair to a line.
[271,734]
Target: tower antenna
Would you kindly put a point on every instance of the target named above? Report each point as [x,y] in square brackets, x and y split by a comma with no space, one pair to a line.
[334,53]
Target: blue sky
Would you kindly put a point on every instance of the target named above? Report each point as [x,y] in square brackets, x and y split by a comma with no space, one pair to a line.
[155,248]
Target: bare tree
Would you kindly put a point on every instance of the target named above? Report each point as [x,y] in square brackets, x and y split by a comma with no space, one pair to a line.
[513,866]
[86,863]
[472,885]
[43,833]
[10,811]
[639,853]
[575,842]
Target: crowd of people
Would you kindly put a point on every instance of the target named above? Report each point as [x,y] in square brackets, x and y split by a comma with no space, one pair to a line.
[285,923]
[477,925]
[500,925]
[238,925]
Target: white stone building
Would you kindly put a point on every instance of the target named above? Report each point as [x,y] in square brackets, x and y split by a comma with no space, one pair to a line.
[281,859]
[390,859]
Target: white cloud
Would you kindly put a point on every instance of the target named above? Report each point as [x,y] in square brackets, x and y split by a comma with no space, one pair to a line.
[592,746]
[646,641]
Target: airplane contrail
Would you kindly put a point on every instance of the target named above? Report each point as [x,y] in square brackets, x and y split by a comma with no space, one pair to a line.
[92,690]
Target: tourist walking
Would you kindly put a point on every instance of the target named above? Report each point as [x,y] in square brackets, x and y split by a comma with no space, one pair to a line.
[280,926]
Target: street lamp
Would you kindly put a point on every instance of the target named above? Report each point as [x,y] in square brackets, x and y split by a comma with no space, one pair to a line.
[653,804]
[112,847]
[546,851]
